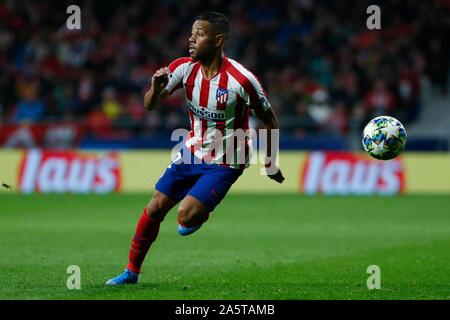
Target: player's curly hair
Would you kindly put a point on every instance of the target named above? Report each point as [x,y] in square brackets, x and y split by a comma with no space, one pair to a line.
[218,20]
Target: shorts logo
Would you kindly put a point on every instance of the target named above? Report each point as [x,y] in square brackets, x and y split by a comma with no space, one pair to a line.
[221,95]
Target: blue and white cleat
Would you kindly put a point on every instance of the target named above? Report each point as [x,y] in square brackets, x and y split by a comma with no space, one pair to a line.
[126,277]
[185,231]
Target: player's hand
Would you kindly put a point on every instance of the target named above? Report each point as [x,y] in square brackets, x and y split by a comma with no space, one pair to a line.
[277,176]
[160,79]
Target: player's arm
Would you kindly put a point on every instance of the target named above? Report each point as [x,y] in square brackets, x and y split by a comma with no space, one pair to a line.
[157,91]
[270,122]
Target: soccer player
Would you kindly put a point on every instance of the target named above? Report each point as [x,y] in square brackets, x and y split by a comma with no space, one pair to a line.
[220,94]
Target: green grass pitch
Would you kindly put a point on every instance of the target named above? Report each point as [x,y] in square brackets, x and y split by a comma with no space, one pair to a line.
[256,246]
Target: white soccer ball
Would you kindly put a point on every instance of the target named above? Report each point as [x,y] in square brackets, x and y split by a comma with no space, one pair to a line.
[384,138]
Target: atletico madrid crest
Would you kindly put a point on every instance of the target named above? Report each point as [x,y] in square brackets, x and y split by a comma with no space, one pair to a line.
[222,95]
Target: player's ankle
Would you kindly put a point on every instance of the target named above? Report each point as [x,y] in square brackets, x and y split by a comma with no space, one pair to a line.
[132,268]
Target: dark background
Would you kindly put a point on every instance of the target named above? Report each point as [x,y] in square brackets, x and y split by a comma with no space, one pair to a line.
[326,74]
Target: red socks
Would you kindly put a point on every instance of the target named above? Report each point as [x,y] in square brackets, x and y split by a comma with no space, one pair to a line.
[146,232]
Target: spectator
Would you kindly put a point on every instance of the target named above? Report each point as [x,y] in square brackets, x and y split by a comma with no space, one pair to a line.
[30,107]
[319,108]
[380,100]
[302,122]
[314,50]
[110,105]
[409,93]
[339,120]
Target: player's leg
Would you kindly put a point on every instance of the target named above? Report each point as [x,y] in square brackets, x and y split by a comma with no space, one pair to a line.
[204,196]
[147,230]
[170,189]
[191,215]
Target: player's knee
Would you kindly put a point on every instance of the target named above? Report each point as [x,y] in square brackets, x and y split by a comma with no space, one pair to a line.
[185,217]
[154,212]
[191,218]
[187,223]
[156,209]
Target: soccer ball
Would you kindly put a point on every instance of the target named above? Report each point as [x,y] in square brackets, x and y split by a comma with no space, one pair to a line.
[384,138]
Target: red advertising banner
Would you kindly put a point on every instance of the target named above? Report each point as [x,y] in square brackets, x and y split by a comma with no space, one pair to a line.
[69,171]
[55,135]
[343,173]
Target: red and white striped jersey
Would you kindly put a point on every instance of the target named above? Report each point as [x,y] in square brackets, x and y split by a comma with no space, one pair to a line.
[217,108]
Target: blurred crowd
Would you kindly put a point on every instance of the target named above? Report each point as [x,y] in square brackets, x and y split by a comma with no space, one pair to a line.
[324,71]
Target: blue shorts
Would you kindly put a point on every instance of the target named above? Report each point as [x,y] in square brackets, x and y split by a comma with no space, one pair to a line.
[208,183]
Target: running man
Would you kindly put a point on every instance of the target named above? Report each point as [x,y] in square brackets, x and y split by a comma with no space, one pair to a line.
[220,94]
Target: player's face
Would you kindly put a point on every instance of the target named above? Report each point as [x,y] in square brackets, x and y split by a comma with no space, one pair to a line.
[202,40]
